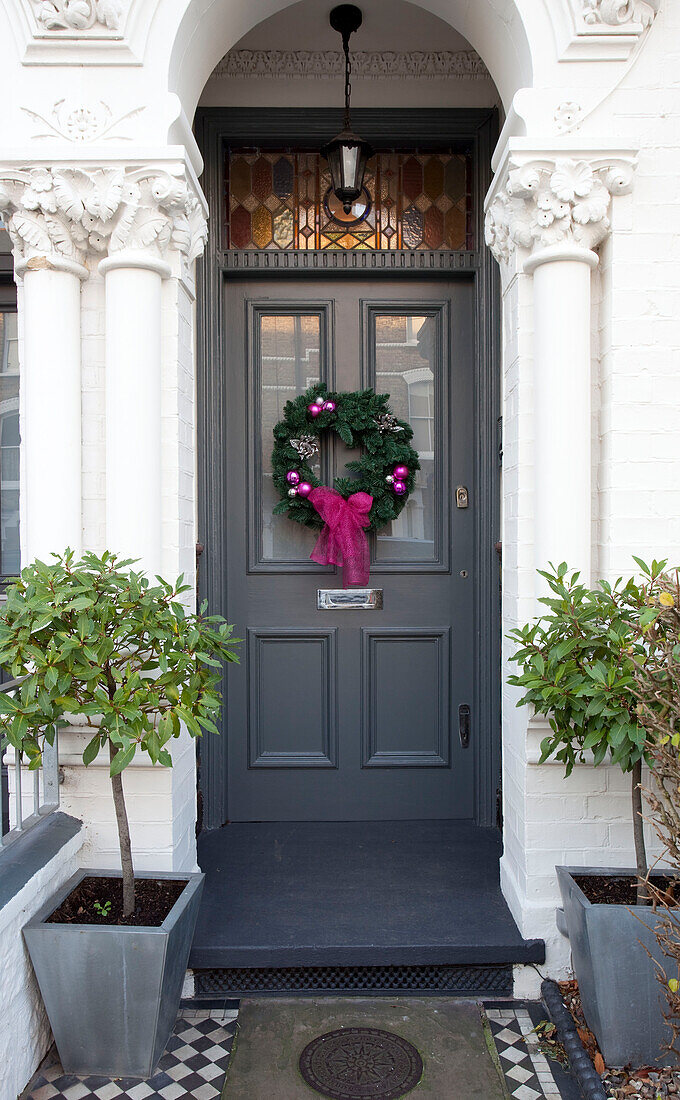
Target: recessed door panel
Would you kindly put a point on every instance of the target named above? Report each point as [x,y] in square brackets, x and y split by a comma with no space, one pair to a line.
[406,699]
[290,726]
[341,712]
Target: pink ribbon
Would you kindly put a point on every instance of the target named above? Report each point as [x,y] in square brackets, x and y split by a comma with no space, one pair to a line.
[343,540]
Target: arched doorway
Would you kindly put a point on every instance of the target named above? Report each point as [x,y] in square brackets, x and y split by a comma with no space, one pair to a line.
[398,721]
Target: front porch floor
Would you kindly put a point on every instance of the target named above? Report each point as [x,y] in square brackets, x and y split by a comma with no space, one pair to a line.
[355,894]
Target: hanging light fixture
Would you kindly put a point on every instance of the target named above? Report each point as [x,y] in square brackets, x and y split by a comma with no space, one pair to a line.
[347,153]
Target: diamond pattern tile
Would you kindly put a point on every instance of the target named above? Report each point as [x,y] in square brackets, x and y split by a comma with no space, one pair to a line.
[193,1066]
[519,1054]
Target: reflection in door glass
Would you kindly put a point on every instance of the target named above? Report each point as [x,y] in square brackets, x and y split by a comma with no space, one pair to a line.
[289,353]
[405,364]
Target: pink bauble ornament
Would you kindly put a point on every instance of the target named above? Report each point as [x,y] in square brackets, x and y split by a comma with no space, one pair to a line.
[304,489]
[400,472]
[293,477]
[329,406]
[399,488]
[314,410]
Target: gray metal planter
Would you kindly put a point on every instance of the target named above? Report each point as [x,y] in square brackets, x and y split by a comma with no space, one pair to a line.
[111,992]
[622,999]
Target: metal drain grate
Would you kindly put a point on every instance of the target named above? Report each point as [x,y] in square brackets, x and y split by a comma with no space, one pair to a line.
[463,981]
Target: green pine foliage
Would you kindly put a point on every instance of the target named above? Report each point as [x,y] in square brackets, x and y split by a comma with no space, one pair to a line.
[354,420]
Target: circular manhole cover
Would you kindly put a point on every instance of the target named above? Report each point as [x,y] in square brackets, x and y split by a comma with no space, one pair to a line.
[361,1062]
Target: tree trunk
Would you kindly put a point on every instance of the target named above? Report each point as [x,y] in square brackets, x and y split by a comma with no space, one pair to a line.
[124,840]
[643,897]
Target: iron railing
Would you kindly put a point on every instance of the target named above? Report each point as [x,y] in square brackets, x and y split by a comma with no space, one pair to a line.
[27,796]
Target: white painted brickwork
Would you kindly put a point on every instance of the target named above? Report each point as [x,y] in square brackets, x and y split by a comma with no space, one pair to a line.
[636,492]
[25,1034]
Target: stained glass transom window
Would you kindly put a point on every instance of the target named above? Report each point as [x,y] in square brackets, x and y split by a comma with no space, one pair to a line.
[285,201]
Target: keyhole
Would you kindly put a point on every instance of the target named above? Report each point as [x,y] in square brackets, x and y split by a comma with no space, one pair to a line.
[463,573]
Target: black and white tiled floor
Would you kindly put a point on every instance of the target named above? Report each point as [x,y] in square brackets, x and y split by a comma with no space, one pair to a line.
[193,1066]
[196,1058]
[528,1074]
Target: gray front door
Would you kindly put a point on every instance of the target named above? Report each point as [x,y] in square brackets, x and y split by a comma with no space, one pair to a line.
[351,715]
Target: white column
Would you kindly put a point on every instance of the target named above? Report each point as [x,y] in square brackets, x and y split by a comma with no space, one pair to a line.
[562,406]
[133,406]
[51,476]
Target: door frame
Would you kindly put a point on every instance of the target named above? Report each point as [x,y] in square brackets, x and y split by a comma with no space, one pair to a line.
[308,128]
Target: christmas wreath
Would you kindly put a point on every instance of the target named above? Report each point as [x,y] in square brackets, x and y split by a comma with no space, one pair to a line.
[384,474]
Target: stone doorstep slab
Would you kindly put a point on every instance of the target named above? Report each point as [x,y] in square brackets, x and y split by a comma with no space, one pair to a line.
[449,1035]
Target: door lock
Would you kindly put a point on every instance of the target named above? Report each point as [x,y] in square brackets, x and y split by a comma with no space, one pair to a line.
[462,500]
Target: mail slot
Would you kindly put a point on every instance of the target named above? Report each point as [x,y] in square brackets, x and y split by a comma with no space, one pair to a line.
[349,599]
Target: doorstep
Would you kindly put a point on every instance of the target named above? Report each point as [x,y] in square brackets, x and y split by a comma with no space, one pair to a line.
[355,895]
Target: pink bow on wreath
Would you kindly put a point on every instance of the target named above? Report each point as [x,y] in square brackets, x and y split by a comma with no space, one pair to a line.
[343,540]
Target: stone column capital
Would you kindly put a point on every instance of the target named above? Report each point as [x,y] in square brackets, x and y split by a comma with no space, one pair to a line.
[82,214]
[542,201]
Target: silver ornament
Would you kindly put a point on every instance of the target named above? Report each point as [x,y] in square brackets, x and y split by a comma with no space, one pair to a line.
[389,479]
[386,422]
[292,492]
[306,446]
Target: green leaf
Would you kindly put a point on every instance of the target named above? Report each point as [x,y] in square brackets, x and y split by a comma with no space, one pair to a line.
[91,750]
[122,758]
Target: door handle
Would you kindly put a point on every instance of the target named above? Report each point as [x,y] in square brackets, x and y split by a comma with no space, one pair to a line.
[464,724]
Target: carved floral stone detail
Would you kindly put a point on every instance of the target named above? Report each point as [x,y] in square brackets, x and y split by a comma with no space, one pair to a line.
[568,116]
[81,122]
[615,13]
[366,65]
[78,15]
[78,214]
[547,203]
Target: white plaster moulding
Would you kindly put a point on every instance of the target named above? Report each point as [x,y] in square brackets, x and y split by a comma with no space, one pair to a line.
[80,210]
[519,152]
[51,263]
[173,159]
[600,30]
[90,46]
[565,251]
[366,65]
[550,200]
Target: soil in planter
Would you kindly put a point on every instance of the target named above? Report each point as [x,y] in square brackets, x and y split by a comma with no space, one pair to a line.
[622,890]
[154,898]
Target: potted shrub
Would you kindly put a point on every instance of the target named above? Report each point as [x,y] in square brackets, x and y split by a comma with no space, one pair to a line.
[96,639]
[578,666]
[657,682]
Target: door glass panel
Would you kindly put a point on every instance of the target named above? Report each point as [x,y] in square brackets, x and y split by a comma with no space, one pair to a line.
[406,357]
[289,350]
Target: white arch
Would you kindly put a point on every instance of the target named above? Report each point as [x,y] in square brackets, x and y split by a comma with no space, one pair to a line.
[497,29]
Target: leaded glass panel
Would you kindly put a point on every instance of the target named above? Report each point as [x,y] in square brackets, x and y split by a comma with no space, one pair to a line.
[410,201]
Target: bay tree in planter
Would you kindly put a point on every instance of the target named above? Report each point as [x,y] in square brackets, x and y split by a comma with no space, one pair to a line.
[95,639]
[578,667]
